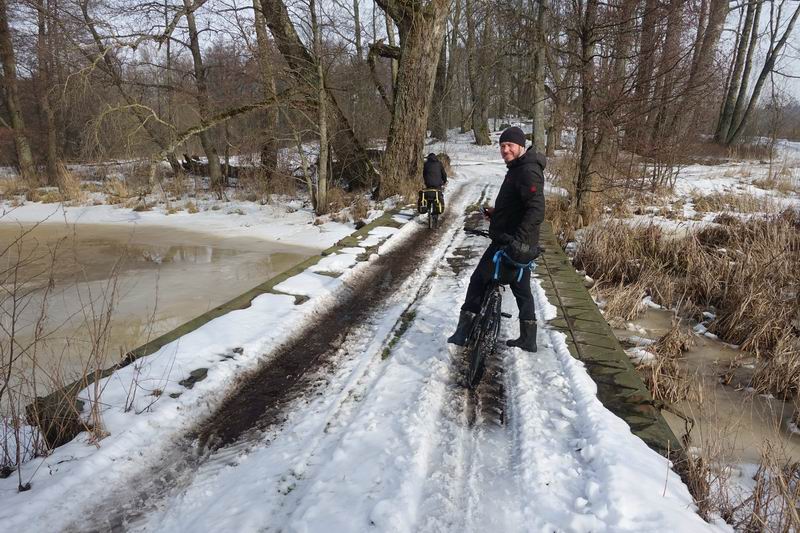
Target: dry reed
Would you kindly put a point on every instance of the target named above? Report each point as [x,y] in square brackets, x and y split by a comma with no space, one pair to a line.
[746,271]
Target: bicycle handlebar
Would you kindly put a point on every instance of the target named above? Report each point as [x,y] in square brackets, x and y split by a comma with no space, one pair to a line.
[486,234]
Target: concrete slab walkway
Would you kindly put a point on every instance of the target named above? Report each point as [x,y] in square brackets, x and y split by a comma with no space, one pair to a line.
[591,340]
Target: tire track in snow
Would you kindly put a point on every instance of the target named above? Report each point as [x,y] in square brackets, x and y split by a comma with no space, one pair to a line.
[358,371]
[550,435]
[466,487]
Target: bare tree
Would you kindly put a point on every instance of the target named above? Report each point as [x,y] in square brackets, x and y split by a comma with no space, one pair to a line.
[477,63]
[421,34]
[744,39]
[539,63]
[321,196]
[349,151]
[27,167]
[203,104]
[269,147]
[777,42]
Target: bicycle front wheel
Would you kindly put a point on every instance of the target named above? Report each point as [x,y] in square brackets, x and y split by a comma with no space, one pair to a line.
[483,337]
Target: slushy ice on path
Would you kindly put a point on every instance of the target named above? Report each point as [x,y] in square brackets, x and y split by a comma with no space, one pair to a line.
[387,439]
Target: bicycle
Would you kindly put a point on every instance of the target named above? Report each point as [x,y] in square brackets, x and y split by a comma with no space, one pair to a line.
[433,219]
[431,202]
[482,339]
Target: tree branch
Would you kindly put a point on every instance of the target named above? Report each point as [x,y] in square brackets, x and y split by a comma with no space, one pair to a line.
[381,49]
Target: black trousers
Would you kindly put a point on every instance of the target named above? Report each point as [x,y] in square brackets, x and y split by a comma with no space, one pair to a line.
[482,278]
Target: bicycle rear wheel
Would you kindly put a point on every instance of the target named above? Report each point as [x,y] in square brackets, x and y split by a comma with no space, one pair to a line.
[433,219]
[483,337]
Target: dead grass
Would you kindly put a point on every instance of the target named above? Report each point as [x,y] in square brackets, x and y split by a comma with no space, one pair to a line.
[709,153]
[346,207]
[747,271]
[622,302]
[704,466]
[782,184]
[620,187]
[45,195]
[117,191]
[741,171]
[675,341]
[176,186]
[12,187]
[665,377]
[257,181]
[732,202]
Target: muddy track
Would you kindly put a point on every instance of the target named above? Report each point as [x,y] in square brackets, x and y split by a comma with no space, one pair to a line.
[264,398]
[260,401]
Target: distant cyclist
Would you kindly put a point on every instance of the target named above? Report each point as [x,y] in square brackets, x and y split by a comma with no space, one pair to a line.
[434,173]
[514,225]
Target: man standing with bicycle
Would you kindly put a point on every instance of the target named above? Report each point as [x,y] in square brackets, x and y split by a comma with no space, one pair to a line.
[514,226]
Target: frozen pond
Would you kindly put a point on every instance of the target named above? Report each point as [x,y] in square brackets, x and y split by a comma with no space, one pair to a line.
[730,419]
[89,293]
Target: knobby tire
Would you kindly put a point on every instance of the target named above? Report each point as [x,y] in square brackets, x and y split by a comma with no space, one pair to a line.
[433,220]
[483,336]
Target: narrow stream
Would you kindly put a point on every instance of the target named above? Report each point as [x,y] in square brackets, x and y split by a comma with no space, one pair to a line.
[732,420]
[135,283]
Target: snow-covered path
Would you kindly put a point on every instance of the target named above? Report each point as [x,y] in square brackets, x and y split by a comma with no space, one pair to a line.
[392,442]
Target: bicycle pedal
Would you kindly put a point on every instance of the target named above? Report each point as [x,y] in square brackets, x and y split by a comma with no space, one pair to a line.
[506,315]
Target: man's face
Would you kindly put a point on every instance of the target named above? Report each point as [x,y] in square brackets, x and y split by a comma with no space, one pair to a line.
[510,151]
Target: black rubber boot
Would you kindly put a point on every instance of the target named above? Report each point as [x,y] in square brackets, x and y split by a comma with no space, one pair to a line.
[462,330]
[527,336]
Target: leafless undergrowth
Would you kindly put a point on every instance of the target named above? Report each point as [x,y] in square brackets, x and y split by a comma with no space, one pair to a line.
[34,359]
[665,377]
[746,272]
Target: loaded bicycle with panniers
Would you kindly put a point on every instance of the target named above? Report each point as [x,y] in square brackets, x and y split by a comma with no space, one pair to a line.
[430,201]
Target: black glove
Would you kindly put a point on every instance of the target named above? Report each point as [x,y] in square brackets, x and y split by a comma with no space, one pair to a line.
[519,251]
[500,238]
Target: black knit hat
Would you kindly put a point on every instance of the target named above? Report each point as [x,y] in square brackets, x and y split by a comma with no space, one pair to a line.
[513,135]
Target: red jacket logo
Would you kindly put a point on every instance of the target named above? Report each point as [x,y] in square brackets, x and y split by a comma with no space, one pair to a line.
[533,188]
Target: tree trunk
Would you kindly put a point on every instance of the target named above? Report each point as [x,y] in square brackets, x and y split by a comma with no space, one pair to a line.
[539,96]
[392,42]
[726,116]
[643,82]
[588,141]
[438,125]
[53,165]
[269,147]
[27,167]
[477,78]
[350,154]
[357,24]
[701,29]
[670,57]
[422,28]
[741,98]
[702,70]
[203,103]
[321,204]
[452,64]
[769,64]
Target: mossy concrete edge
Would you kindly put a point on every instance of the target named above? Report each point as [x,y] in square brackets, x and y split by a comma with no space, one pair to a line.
[591,340]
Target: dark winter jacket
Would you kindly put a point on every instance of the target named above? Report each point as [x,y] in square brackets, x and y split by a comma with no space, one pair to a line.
[519,207]
[433,173]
